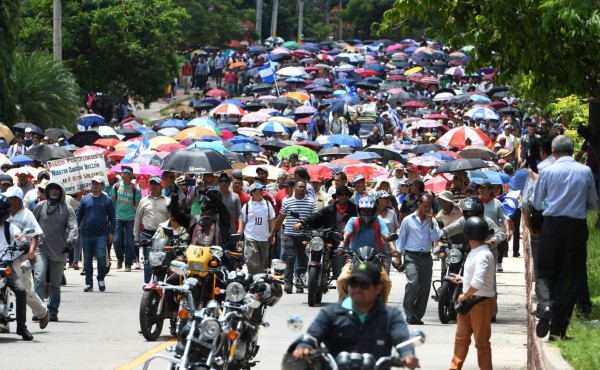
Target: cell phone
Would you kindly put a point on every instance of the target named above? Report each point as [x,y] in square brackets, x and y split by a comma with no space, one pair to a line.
[190,182]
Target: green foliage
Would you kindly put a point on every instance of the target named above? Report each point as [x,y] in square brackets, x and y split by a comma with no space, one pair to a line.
[9,12]
[363,15]
[45,92]
[572,109]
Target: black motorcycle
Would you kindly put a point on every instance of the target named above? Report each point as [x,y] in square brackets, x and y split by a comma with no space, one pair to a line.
[452,257]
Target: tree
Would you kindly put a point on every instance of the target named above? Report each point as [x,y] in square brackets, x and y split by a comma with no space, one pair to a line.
[113,44]
[9,13]
[362,15]
[44,91]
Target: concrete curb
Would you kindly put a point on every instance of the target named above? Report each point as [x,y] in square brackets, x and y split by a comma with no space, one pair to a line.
[540,356]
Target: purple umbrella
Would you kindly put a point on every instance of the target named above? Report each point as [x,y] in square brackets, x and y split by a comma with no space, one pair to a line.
[140,169]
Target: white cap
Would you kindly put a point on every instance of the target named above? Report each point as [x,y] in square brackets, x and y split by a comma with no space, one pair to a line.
[14,191]
[28,129]
[99,179]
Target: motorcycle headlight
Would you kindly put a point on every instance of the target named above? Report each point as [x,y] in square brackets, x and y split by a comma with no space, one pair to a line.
[156,258]
[210,328]
[317,244]
[235,292]
[454,256]
[196,266]
[159,244]
[251,301]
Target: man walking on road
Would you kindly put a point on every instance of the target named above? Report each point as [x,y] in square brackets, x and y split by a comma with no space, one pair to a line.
[125,197]
[564,190]
[57,220]
[96,217]
[417,233]
[202,71]
[186,75]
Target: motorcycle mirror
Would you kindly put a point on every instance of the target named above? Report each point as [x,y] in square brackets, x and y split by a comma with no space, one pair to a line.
[217,251]
[336,236]
[178,267]
[392,237]
[418,334]
[294,214]
[295,323]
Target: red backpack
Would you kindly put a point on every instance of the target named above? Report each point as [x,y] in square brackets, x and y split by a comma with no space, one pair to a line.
[375,229]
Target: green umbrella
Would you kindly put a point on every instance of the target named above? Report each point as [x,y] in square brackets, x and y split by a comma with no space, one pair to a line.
[292,45]
[301,151]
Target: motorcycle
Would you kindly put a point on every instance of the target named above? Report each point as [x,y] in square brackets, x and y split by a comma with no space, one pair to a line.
[9,254]
[452,259]
[320,271]
[153,308]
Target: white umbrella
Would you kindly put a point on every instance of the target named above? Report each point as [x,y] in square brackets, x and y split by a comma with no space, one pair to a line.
[169,131]
[272,127]
[443,96]
[249,131]
[107,131]
[292,72]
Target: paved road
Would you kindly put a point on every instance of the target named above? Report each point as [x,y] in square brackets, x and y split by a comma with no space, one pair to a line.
[100,330]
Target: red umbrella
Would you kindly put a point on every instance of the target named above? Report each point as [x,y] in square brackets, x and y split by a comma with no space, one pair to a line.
[170,147]
[117,155]
[438,116]
[368,170]
[452,154]
[216,93]
[347,161]
[458,136]
[107,142]
[308,145]
[366,72]
[225,134]
[305,120]
[496,105]
[315,171]
[438,183]
[414,104]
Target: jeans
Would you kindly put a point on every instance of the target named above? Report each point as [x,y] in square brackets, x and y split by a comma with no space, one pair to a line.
[145,251]
[94,245]
[230,89]
[40,268]
[124,241]
[294,249]
[13,282]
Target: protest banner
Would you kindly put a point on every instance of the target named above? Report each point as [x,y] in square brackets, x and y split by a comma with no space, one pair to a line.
[76,173]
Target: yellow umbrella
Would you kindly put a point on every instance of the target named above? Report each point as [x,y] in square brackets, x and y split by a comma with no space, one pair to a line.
[6,133]
[298,96]
[160,140]
[413,71]
[195,132]
[122,145]
[287,122]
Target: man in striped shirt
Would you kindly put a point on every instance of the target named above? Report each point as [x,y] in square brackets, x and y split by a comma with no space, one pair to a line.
[292,239]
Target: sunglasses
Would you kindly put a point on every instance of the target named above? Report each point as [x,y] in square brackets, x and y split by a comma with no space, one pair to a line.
[359,284]
[224,181]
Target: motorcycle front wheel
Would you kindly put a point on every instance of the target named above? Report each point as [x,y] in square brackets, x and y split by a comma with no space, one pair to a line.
[150,323]
[313,288]
[445,302]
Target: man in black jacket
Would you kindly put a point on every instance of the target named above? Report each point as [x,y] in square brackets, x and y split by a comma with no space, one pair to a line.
[360,322]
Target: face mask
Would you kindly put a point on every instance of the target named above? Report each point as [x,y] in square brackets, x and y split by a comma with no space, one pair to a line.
[366,220]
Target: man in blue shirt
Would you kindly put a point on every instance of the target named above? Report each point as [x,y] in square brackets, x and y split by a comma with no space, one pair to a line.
[417,233]
[564,190]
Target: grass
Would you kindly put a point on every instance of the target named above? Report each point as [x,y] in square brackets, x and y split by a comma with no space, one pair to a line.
[174,104]
[584,351]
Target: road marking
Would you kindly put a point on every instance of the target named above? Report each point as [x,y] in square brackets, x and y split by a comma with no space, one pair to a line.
[140,360]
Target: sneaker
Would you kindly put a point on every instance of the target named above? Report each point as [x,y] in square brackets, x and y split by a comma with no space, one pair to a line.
[35,318]
[44,321]
[119,264]
[101,286]
[82,273]
[300,290]
[138,266]
[75,266]
[499,267]
[53,317]
[88,288]
[288,289]
[127,268]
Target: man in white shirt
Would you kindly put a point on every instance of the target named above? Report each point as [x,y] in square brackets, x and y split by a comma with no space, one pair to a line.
[257,219]
[300,134]
[16,149]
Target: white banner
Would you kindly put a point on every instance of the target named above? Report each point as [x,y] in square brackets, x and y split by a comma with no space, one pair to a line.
[76,173]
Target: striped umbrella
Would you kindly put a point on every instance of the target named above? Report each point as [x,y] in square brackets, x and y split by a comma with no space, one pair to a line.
[272,127]
[458,135]
[228,109]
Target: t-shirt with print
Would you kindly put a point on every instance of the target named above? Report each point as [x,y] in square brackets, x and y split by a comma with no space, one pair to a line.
[124,204]
[257,225]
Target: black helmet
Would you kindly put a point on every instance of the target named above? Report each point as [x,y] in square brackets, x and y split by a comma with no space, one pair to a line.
[476,229]
[5,207]
[472,206]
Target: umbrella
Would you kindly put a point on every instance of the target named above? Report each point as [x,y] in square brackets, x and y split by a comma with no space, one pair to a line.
[335,151]
[302,151]
[208,145]
[194,160]
[52,133]
[414,104]
[216,93]
[461,164]
[315,171]
[273,172]
[479,98]
[482,113]
[22,160]
[367,86]
[292,72]
[342,139]
[292,45]
[364,156]
[228,109]
[439,155]
[130,133]
[305,110]
[424,148]
[20,127]
[89,150]
[175,123]
[160,140]
[89,119]
[427,123]
[284,100]
[455,71]
[170,132]
[107,131]
[7,134]
[438,183]
[249,131]
[236,102]
[202,122]
[260,88]
[237,65]
[44,152]
[194,132]
[223,126]
[413,71]
[300,96]
[170,147]
[477,151]
[117,155]
[255,117]
[107,142]
[272,127]
[245,148]
[425,161]
[150,158]
[386,153]
[273,145]
[255,106]
[287,122]
[140,169]
[443,96]
[458,136]
[240,140]
[368,170]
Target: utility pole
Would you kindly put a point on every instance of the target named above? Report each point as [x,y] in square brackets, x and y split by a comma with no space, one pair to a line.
[340,21]
[274,18]
[57,31]
[259,11]
[300,19]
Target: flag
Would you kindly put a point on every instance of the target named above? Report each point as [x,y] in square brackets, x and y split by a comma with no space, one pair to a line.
[349,90]
[267,73]
[510,202]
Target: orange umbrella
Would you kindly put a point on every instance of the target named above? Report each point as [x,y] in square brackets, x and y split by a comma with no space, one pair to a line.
[237,65]
[107,142]
[194,132]
[298,96]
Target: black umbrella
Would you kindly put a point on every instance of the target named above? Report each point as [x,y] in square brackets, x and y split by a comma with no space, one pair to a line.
[234,157]
[55,133]
[386,153]
[84,138]
[425,148]
[195,160]
[335,151]
[283,101]
[321,91]
[508,110]
[204,106]
[262,88]
[20,127]
[129,133]
[255,106]
[44,152]
[227,126]
[273,145]
[461,164]
[445,89]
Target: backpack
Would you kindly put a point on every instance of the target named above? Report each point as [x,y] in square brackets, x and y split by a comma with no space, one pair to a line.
[268,209]
[133,188]
[7,231]
[375,230]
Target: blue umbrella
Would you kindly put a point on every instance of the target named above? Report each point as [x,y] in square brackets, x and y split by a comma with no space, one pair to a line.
[22,160]
[344,81]
[202,121]
[517,182]
[441,156]
[342,139]
[238,103]
[373,80]
[374,67]
[257,49]
[208,145]
[89,119]
[364,156]
[245,148]
[241,140]
[295,80]
[211,138]
[176,123]
[227,126]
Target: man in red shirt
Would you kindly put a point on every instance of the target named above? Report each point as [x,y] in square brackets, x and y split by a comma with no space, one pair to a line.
[237,186]
[186,74]
[230,80]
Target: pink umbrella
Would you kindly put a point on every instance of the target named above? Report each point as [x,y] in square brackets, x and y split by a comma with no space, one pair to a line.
[427,123]
[139,169]
[438,183]
[394,47]
[89,150]
[396,90]
[170,147]
[280,51]
[216,93]
[368,170]
[225,134]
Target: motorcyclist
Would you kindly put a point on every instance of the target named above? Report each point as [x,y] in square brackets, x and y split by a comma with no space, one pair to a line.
[367,229]
[13,281]
[359,323]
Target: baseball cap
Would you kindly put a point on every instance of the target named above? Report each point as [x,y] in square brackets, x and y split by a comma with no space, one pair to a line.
[98,179]
[28,129]
[237,174]
[42,185]
[14,191]
[6,179]
[261,169]
[357,178]
[366,272]
[290,183]
[126,169]
[156,180]
[255,186]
